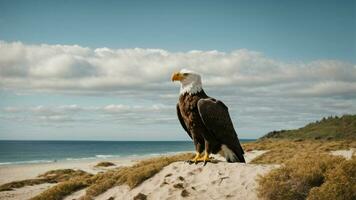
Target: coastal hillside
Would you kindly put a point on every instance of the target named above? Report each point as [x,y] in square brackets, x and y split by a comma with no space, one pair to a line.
[327,128]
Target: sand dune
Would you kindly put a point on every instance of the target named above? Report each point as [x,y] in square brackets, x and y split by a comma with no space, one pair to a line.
[214,181]
[180,180]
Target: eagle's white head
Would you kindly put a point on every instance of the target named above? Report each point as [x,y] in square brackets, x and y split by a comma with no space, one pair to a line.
[190,81]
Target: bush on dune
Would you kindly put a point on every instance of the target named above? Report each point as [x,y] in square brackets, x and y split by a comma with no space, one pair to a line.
[310,176]
[340,183]
[104,164]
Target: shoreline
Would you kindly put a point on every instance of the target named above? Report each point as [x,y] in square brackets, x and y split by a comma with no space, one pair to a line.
[87,159]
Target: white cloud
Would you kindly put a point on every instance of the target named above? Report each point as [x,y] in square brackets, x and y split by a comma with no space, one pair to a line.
[79,69]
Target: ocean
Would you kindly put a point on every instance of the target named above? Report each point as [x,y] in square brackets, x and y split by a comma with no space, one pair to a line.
[27,152]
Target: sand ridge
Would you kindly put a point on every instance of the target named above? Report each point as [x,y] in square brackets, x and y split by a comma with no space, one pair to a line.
[180,180]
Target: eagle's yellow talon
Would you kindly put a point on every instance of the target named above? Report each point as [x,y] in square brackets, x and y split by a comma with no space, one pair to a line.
[206,158]
[195,159]
[201,159]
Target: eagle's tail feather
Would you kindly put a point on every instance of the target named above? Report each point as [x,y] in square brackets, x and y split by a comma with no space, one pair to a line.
[232,156]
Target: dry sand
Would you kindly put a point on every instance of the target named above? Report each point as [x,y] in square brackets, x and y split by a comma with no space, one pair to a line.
[344,153]
[25,192]
[180,180]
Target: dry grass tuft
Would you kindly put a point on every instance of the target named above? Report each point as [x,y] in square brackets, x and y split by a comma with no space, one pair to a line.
[104,164]
[133,175]
[281,150]
[310,176]
[20,184]
[53,176]
[63,189]
[61,175]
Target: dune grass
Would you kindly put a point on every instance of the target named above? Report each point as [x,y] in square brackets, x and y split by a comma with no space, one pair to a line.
[53,176]
[281,150]
[65,188]
[310,176]
[104,164]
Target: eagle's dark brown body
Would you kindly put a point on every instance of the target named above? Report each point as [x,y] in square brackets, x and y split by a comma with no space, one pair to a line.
[208,123]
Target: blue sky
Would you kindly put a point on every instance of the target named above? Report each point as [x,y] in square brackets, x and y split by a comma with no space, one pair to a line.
[100,70]
[290,30]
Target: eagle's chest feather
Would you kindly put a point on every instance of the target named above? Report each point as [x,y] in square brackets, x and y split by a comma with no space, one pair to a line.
[189,110]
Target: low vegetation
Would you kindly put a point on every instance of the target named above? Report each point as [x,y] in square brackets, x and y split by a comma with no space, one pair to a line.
[105,164]
[329,128]
[308,171]
[312,177]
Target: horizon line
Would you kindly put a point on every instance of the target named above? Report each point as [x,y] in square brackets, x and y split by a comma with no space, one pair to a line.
[112,140]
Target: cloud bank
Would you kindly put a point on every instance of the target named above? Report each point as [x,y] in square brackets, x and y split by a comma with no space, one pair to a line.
[263,93]
[80,69]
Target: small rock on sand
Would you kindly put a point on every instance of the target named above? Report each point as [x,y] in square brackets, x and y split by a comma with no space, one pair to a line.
[184,193]
[178,186]
[140,196]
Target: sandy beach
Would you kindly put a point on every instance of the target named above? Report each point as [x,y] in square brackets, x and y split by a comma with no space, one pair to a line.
[210,180]
[25,171]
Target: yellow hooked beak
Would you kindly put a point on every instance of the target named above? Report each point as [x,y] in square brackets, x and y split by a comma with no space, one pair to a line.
[177,76]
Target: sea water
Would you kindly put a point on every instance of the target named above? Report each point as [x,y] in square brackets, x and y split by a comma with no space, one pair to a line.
[22,152]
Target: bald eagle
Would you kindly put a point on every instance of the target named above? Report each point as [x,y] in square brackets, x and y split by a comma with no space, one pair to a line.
[206,120]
